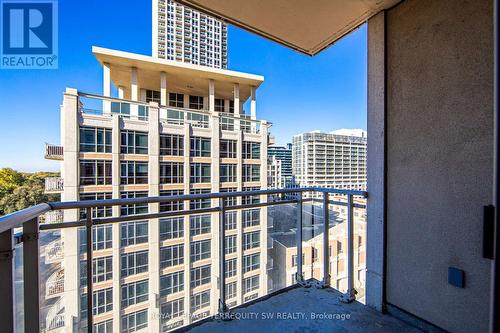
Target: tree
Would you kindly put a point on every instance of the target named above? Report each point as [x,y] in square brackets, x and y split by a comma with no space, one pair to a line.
[9,180]
[22,197]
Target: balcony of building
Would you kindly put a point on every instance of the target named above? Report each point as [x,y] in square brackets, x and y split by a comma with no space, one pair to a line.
[54,185]
[54,251]
[54,320]
[54,152]
[54,287]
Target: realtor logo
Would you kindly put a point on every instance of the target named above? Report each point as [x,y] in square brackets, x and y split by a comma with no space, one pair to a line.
[29,34]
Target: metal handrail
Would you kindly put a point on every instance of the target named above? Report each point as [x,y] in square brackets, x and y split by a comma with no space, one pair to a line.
[28,218]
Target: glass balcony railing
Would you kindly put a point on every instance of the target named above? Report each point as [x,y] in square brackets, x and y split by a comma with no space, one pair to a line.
[183,262]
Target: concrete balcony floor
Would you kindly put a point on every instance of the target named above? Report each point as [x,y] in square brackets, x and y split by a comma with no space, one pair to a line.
[293,311]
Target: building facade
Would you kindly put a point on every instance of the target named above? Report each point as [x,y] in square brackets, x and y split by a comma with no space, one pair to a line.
[183,34]
[280,166]
[174,129]
[336,159]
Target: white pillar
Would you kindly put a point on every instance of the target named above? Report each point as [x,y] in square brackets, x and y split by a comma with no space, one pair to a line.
[121,92]
[211,95]
[106,87]
[134,93]
[237,99]
[253,103]
[163,89]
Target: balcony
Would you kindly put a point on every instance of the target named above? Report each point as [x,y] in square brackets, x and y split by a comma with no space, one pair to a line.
[54,252]
[55,284]
[53,216]
[54,152]
[54,185]
[262,264]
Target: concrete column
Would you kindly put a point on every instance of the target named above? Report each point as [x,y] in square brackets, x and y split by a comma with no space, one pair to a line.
[115,151]
[239,219]
[70,174]
[211,96]
[226,106]
[215,176]
[187,236]
[106,87]
[376,160]
[134,93]
[163,89]
[121,92]
[115,229]
[237,109]
[142,95]
[253,103]
[154,228]
[263,210]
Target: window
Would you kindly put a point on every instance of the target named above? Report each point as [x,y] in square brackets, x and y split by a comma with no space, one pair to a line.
[295,261]
[134,209]
[200,250]
[200,147]
[134,263]
[314,254]
[171,145]
[251,172]
[250,199]
[171,173]
[200,203]
[251,262]
[172,309]
[171,283]
[230,244]
[176,100]
[251,240]
[133,172]
[96,211]
[134,233]
[229,201]
[228,148]
[171,206]
[122,109]
[171,255]
[196,102]
[199,224]
[250,284]
[230,267]
[230,290]
[172,227]
[200,173]
[200,300]
[135,321]
[104,326]
[95,172]
[219,105]
[230,220]
[228,173]
[153,96]
[133,142]
[231,106]
[102,302]
[226,123]
[251,150]
[101,238]
[102,270]
[197,120]
[95,140]
[251,217]
[134,292]
[200,276]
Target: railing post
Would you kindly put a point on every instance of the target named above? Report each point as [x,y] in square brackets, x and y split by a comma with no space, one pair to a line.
[222,256]
[90,296]
[299,275]
[7,277]
[31,276]
[326,241]
[350,294]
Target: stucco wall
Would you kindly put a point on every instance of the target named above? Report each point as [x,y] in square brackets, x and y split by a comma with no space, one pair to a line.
[439,158]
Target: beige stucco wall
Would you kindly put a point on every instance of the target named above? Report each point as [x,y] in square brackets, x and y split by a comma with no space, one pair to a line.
[439,158]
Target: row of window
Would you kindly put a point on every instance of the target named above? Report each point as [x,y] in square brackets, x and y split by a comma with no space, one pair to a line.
[99,140]
[98,172]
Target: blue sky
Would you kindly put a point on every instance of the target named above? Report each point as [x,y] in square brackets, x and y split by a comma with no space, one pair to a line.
[300,93]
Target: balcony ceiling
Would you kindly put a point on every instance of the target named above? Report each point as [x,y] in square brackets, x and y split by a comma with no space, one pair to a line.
[303,25]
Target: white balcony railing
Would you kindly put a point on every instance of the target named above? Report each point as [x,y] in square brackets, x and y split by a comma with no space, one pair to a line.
[55,317]
[55,284]
[54,152]
[54,185]
[54,251]
[54,216]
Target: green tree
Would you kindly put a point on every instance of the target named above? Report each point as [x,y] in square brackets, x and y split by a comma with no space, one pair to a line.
[22,197]
[9,180]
